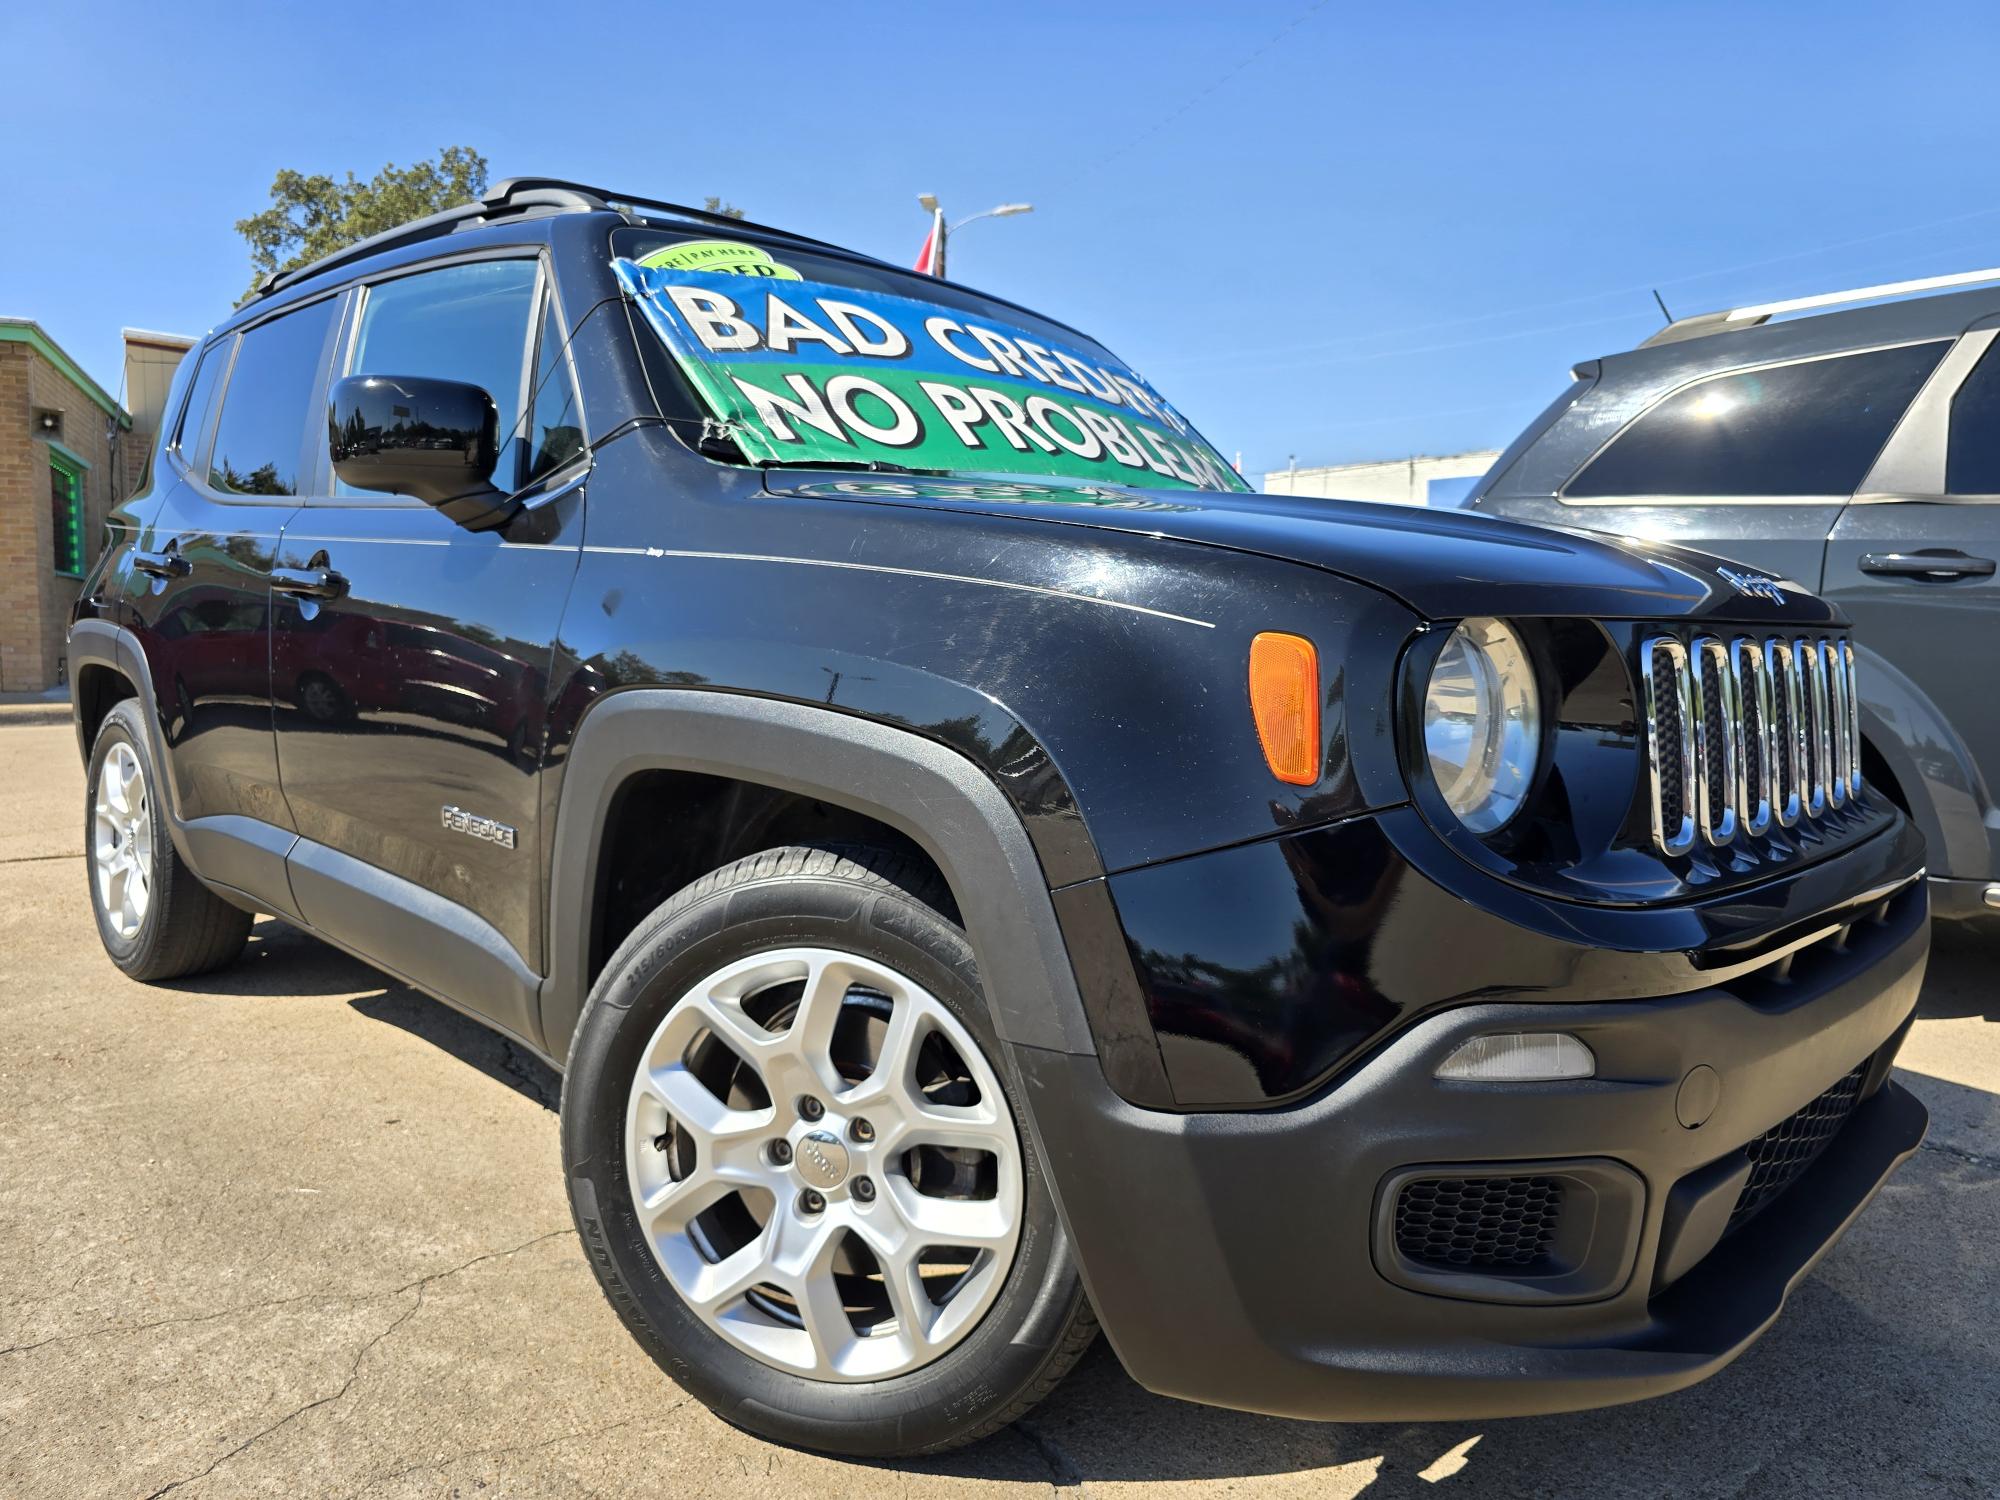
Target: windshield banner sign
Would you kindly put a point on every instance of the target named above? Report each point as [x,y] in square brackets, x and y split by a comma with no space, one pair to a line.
[803,371]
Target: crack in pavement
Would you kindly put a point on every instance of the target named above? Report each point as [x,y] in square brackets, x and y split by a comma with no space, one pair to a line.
[421,1286]
[29,859]
[1987,1163]
[111,1330]
[353,1374]
[1063,1475]
[530,1072]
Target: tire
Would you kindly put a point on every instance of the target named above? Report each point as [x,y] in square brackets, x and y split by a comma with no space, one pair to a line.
[157,921]
[878,915]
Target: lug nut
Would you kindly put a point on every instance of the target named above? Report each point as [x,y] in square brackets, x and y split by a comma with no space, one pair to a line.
[781,1152]
[810,1108]
[862,1131]
[811,1202]
[864,1190]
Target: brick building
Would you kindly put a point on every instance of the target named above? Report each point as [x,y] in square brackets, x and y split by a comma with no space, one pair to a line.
[68,453]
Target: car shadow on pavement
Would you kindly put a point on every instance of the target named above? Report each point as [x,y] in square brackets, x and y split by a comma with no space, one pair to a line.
[282,962]
[1964,975]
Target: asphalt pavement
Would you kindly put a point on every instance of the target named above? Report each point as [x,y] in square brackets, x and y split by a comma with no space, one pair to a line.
[294,1229]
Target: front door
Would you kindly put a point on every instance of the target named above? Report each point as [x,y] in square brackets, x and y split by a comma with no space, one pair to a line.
[411,659]
[1917,568]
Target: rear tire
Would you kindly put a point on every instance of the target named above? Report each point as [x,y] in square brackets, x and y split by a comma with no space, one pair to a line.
[156,919]
[893,1377]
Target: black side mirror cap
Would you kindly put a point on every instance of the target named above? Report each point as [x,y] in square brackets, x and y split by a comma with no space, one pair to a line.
[437,440]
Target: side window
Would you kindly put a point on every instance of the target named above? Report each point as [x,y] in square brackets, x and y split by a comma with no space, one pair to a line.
[468,322]
[262,429]
[1805,429]
[194,416]
[1972,455]
[554,436]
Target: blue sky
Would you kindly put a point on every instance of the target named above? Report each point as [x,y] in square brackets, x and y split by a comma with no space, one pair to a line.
[1334,230]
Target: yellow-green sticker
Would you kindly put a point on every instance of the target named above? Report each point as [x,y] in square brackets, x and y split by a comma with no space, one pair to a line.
[727,257]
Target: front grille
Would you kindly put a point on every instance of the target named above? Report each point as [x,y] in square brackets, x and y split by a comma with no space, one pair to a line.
[1780,1154]
[1745,734]
[1479,1223]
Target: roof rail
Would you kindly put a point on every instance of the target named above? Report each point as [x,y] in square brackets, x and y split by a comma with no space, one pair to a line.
[1702,324]
[511,196]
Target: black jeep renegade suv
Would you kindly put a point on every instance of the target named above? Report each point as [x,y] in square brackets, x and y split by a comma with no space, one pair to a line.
[982,874]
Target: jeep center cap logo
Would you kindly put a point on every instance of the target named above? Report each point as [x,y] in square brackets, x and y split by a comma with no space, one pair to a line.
[1754,586]
[822,1160]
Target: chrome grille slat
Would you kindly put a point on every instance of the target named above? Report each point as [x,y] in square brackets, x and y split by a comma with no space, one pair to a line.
[1781,667]
[1748,735]
[1718,742]
[1753,694]
[1853,719]
[1670,743]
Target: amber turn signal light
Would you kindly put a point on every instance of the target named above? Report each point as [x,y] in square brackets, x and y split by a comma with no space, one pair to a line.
[1284,696]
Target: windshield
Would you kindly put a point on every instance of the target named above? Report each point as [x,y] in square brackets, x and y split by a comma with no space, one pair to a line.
[800,359]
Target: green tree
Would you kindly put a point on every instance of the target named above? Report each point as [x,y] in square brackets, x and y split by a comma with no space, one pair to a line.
[314,216]
[715,205]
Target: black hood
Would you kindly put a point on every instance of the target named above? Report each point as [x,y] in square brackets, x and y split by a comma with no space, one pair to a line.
[1442,564]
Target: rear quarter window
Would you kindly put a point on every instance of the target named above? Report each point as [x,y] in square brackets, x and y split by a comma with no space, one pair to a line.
[1809,428]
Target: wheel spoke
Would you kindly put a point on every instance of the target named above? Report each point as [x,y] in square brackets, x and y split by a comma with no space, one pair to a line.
[978,1223]
[826,1320]
[113,784]
[827,984]
[715,1286]
[687,1099]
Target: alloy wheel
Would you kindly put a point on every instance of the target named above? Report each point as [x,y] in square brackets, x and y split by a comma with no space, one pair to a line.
[121,841]
[824,1165]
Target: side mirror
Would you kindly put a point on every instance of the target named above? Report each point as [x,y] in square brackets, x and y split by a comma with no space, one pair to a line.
[411,435]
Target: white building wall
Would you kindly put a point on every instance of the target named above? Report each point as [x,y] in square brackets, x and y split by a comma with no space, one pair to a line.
[1398,481]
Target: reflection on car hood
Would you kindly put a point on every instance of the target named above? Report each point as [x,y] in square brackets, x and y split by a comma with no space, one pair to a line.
[1443,564]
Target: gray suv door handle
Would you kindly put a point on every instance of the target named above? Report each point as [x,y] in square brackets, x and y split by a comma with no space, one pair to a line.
[1939,565]
[309,583]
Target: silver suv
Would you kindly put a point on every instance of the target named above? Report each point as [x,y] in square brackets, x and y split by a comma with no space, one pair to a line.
[1856,452]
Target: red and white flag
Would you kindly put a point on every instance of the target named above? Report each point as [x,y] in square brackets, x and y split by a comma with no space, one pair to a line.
[930,259]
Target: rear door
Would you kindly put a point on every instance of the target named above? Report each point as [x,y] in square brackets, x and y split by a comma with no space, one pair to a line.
[202,607]
[1916,559]
[410,690]
[1754,465]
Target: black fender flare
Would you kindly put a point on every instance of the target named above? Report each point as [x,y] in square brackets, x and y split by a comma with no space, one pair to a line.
[935,795]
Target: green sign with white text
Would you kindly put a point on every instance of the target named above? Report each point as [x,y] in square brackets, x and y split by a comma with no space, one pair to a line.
[799,371]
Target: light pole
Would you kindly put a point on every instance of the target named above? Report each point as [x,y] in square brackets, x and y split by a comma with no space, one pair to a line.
[944,232]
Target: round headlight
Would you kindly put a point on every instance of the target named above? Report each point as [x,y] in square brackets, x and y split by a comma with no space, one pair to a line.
[1483,724]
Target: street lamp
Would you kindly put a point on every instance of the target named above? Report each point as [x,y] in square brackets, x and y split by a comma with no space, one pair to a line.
[944,232]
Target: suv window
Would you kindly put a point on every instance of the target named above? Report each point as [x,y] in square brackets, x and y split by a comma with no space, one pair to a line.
[553,436]
[1972,455]
[194,416]
[1811,428]
[263,424]
[466,322]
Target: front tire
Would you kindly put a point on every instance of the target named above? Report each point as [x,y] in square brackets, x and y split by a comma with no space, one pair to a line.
[801,1169]
[156,919]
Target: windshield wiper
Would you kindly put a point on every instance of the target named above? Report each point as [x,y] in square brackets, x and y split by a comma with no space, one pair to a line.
[862,465]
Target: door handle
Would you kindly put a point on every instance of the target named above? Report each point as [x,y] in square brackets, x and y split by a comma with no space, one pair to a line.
[165,564]
[309,583]
[1936,565]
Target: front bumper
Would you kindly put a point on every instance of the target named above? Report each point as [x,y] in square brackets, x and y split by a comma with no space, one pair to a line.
[1248,1259]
